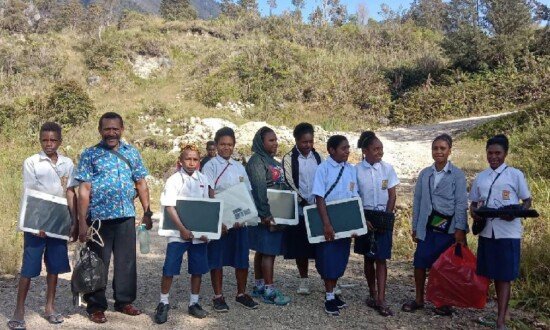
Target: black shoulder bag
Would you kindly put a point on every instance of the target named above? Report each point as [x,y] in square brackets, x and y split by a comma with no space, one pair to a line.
[479,225]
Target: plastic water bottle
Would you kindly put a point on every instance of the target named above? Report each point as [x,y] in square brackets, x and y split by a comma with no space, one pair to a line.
[144,239]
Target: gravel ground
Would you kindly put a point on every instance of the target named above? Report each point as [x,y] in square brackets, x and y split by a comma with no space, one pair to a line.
[406,148]
[304,312]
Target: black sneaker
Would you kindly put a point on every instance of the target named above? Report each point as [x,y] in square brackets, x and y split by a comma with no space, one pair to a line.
[219,305]
[161,313]
[331,308]
[339,302]
[197,311]
[246,301]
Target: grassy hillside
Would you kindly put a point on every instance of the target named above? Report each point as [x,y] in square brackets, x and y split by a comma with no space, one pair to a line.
[346,77]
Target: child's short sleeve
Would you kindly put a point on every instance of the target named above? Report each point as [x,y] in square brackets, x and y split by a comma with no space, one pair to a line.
[523,188]
[393,180]
[169,195]
[319,188]
[474,191]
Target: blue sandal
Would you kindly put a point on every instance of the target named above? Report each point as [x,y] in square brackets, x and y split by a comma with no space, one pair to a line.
[17,325]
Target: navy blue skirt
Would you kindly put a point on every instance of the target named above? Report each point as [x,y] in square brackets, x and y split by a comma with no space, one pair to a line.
[230,250]
[264,241]
[384,242]
[428,251]
[296,244]
[498,259]
[331,258]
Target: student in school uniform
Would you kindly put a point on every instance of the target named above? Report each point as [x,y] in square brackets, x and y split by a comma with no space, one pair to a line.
[335,179]
[47,171]
[377,183]
[187,182]
[232,248]
[440,207]
[267,237]
[498,252]
[299,166]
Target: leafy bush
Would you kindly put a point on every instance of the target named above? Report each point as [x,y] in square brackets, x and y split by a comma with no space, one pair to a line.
[69,104]
[463,95]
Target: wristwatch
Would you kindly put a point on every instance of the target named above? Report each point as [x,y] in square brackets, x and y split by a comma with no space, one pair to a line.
[148,213]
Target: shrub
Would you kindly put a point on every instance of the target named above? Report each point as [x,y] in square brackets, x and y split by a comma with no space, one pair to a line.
[69,104]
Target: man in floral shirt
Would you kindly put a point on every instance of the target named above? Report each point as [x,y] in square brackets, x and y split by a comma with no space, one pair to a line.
[109,174]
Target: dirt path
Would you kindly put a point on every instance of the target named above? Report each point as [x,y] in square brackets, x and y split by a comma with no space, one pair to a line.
[408,149]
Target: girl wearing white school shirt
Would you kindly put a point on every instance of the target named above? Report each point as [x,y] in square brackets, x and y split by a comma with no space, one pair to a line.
[498,253]
[377,182]
[233,247]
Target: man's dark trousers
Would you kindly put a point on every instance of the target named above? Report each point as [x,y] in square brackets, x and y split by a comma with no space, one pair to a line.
[119,237]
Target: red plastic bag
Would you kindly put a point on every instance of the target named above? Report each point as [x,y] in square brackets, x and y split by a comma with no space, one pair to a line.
[453,280]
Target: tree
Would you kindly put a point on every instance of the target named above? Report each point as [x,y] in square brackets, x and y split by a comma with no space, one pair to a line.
[272,5]
[362,14]
[428,13]
[337,12]
[249,6]
[509,24]
[229,8]
[298,7]
[316,17]
[173,10]
[465,42]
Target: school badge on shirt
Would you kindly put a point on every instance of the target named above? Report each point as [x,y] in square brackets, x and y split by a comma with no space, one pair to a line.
[241,179]
[384,184]
[506,195]
[351,186]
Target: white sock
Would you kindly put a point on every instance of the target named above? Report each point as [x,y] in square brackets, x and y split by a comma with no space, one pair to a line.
[329,296]
[164,298]
[193,299]
[216,296]
[260,283]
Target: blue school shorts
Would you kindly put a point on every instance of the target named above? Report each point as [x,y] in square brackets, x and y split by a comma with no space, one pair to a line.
[230,250]
[384,242]
[55,254]
[296,244]
[197,260]
[498,259]
[264,241]
[428,251]
[331,258]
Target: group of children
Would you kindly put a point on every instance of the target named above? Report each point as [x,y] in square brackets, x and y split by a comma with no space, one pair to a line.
[439,219]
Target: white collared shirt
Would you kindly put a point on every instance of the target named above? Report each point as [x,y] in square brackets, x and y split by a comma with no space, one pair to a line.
[307,167]
[221,178]
[508,189]
[325,176]
[374,182]
[181,184]
[438,175]
[40,173]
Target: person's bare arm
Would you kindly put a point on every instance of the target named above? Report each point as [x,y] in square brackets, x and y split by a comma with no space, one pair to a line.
[72,203]
[392,199]
[83,203]
[143,193]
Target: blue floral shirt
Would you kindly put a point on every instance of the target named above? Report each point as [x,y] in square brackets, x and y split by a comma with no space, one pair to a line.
[113,181]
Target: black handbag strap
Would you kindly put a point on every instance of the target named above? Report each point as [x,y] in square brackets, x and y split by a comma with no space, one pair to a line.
[492,183]
[118,154]
[219,176]
[335,182]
